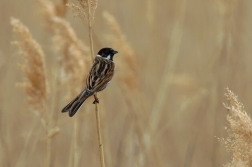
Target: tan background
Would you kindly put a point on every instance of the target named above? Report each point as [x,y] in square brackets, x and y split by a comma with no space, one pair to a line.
[202,46]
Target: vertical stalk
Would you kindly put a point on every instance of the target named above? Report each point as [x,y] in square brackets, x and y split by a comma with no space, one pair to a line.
[48,150]
[75,143]
[96,105]
[90,31]
[91,41]
[99,136]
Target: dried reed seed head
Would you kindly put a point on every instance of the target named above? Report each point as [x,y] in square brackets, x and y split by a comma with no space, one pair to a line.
[85,11]
[233,100]
[239,141]
[73,51]
[67,34]
[48,12]
[77,10]
[33,67]
[74,60]
[61,8]
[61,28]
[128,60]
[236,164]
[51,9]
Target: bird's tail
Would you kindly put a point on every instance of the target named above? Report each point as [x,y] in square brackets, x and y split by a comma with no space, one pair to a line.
[76,103]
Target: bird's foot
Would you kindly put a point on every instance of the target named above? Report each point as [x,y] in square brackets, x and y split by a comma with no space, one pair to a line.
[96,100]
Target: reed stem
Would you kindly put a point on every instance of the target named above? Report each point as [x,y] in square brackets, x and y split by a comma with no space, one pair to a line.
[99,136]
[98,123]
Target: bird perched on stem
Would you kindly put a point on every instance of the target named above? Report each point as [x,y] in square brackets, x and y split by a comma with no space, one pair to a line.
[101,73]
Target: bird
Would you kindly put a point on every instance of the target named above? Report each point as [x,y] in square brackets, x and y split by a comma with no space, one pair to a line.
[100,75]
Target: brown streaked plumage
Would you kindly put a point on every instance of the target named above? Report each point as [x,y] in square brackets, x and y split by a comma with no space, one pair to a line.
[99,77]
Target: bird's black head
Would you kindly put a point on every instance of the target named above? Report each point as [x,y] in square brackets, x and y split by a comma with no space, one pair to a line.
[107,53]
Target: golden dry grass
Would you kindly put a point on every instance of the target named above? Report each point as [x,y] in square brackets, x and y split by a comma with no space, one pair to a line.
[239,140]
[164,105]
[33,68]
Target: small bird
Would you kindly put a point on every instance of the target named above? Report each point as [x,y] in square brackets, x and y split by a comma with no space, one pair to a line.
[101,73]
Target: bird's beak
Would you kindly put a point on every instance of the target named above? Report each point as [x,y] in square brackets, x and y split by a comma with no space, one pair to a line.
[115,52]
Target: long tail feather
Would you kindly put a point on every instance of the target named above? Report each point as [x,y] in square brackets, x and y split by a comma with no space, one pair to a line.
[76,103]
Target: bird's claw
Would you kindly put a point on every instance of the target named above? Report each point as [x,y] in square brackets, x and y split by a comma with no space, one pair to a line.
[96,101]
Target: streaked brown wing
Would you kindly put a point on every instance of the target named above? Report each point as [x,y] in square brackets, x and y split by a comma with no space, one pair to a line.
[101,73]
[103,83]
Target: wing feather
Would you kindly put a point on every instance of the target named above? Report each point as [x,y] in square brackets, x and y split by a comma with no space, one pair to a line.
[100,74]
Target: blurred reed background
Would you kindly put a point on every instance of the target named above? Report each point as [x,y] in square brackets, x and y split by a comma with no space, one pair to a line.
[164,106]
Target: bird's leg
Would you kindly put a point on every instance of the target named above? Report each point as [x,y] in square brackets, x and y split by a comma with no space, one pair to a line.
[96,99]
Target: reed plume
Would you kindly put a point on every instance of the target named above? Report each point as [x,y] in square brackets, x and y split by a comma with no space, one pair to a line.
[35,85]
[85,11]
[130,86]
[73,52]
[128,60]
[74,60]
[238,141]
[33,68]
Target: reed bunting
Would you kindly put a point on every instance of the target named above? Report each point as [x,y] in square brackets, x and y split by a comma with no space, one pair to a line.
[98,79]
